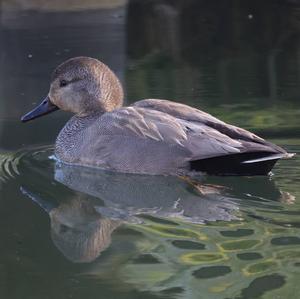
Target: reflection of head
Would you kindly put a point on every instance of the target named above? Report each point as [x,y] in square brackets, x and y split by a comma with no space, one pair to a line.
[79,232]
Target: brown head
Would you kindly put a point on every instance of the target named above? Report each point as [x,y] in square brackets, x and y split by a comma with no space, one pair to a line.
[83,86]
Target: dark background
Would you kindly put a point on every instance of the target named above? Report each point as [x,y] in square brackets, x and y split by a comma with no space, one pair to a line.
[239,60]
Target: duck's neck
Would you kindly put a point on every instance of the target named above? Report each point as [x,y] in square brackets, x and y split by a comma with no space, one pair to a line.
[68,140]
[111,100]
[101,104]
[110,90]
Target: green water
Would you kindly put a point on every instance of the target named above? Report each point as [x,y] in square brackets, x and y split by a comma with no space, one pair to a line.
[70,232]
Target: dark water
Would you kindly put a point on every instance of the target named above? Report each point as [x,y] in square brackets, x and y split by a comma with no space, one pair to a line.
[79,233]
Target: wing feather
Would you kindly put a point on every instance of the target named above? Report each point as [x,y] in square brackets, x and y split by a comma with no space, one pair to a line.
[249,140]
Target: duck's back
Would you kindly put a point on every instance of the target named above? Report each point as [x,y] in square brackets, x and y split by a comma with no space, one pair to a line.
[158,137]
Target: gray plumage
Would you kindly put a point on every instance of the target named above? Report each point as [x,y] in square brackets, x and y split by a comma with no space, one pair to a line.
[151,136]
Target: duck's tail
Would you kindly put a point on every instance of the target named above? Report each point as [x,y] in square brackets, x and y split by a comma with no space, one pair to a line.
[248,164]
[271,157]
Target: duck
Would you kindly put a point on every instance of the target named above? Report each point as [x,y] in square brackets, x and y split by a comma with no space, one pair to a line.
[151,136]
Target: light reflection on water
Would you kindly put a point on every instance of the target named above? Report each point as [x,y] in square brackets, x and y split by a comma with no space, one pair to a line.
[74,233]
[167,235]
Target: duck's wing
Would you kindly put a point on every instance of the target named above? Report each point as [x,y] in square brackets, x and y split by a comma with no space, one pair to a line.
[141,123]
[137,139]
[196,139]
[155,137]
[194,132]
[249,141]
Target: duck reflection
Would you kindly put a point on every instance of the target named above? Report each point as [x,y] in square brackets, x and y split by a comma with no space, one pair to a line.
[126,196]
[77,229]
[82,222]
[79,232]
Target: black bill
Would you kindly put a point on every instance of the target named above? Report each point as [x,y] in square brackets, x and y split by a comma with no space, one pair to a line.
[42,109]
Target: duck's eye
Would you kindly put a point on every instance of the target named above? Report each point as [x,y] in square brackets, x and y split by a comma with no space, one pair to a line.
[63,83]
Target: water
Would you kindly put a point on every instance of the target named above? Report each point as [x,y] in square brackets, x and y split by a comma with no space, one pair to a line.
[79,233]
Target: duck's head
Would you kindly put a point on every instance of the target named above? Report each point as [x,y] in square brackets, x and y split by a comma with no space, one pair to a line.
[83,86]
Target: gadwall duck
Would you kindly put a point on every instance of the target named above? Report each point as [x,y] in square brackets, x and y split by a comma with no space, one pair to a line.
[151,136]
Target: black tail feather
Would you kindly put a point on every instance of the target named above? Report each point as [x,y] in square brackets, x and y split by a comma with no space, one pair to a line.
[233,164]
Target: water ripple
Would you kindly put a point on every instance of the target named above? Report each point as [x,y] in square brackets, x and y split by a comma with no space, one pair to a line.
[12,164]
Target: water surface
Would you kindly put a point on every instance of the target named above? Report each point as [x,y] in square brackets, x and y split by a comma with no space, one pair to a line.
[70,232]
